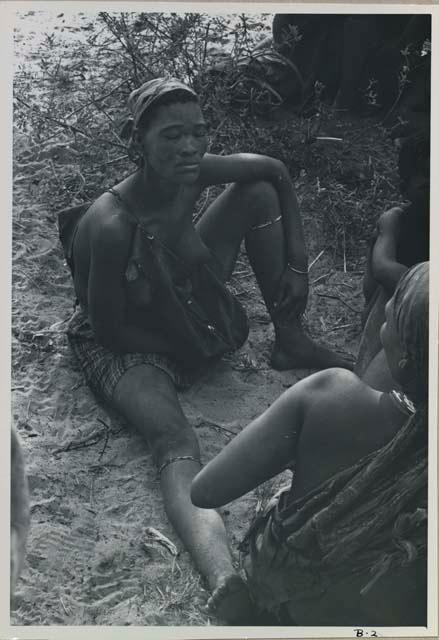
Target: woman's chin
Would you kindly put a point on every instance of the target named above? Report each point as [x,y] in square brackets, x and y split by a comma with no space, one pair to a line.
[187,178]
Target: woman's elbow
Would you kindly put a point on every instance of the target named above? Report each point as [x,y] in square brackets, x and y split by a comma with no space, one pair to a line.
[278,169]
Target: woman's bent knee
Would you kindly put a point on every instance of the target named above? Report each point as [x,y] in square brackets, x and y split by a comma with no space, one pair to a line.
[259,202]
[258,193]
[174,441]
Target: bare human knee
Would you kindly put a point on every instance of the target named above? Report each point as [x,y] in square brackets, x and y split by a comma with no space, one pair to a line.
[174,441]
[259,201]
[147,398]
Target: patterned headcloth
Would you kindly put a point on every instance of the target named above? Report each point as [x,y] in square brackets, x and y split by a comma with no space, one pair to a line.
[410,309]
[143,98]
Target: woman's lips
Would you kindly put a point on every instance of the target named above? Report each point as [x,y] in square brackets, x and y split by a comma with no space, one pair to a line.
[188,167]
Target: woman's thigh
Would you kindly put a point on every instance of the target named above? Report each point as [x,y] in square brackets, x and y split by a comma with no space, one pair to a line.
[147,398]
[221,231]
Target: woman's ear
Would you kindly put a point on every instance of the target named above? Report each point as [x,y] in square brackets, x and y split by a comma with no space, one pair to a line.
[402,364]
[135,151]
[405,369]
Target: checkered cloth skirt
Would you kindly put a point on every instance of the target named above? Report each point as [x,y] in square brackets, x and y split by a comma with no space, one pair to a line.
[103,368]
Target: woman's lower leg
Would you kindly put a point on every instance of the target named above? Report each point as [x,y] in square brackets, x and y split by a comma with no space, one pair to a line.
[267,252]
[203,534]
[202,531]
[252,212]
[146,397]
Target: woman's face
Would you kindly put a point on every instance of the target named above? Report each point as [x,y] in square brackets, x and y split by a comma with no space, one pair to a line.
[393,348]
[175,141]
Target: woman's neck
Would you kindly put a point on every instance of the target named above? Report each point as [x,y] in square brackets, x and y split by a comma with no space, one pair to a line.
[149,185]
[394,412]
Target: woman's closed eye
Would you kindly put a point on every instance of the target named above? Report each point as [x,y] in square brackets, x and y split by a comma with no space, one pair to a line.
[200,131]
[172,134]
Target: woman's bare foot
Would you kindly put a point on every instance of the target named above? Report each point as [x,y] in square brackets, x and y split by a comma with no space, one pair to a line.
[230,601]
[293,349]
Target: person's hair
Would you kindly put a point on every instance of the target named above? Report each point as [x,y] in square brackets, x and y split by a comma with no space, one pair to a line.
[179,96]
[410,312]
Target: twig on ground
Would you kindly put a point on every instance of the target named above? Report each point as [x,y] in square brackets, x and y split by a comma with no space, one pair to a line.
[201,421]
[328,295]
[328,139]
[107,435]
[315,259]
[325,275]
[340,326]
[153,535]
[217,427]
[64,607]
[88,441]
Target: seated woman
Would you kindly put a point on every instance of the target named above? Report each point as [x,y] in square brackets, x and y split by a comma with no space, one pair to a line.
[345,544]
[154,309]
[401,240]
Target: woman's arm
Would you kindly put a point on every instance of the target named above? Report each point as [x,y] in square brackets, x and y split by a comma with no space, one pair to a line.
[110,246]
[262,450]
[324,423]
[385,267]
[248,167]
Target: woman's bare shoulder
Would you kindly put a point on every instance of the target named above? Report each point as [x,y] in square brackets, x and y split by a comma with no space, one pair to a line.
[337,386]
[106,223]
[331,379]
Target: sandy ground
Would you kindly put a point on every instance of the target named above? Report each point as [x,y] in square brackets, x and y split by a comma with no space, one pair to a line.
[94,488]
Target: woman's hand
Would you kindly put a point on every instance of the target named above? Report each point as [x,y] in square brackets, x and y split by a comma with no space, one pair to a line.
[292,293]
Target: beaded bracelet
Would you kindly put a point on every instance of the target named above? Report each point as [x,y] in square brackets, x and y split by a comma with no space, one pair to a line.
[301,272]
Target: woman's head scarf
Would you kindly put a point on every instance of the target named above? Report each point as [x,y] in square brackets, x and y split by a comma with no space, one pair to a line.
[410,311]
[141,101]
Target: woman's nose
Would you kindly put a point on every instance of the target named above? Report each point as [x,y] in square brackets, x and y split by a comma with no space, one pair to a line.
[189,146]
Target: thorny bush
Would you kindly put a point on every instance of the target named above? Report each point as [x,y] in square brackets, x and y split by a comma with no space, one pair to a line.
[69,110]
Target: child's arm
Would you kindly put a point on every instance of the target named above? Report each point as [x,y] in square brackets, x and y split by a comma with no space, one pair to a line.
[262,450]
[385,267]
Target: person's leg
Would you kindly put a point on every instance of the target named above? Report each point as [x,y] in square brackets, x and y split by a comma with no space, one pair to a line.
[147,398]
[252,212]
